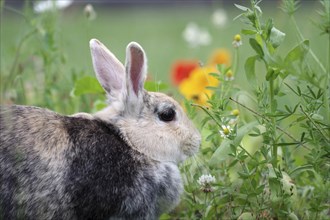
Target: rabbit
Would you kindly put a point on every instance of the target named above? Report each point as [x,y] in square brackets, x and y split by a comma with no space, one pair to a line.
[119,163]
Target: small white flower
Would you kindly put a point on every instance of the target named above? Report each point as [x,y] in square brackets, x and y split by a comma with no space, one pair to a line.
[89,12]
[233,121]
[219,18]
[237,41]
[226,130]
[47,5]
[229,76]
[205,182]
[206,179]
[196,36]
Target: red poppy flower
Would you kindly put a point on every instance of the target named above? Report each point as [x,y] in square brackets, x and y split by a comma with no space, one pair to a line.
[181,70]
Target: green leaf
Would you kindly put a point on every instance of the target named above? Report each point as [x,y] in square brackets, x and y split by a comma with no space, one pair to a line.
[272,73]
[87,85]
[287,144]
[317,117]
[248,32]
[276,37]
[292,216]
[250,69]
[233,163]
[298,52]
[258,8]
[259,39]
[256,46]
[233,149]
[222,153]
[243,8]
[299,91]
[268,28]
[216,75]
[251,16]
[243,175]
[165,217]
[152,86]
[301,169]
[99,105]
[271,171]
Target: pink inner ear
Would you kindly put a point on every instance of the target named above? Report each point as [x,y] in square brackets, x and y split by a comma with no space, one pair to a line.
[137,61]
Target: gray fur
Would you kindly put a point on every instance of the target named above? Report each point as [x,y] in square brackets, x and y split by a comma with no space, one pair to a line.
[120,163]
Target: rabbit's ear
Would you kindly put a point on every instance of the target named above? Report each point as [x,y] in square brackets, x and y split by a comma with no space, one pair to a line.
[110,72]
[136,69]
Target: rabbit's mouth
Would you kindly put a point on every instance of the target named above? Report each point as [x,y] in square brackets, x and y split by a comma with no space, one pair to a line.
[191,148]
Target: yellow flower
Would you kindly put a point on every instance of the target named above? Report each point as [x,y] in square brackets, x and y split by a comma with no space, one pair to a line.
[194,87]
[220,56]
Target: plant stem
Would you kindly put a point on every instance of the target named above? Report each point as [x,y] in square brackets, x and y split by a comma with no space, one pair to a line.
[301,38]
[273,121]
[236,64]
[205,109]
[327,90]
[327,77]
[257,22]
[315,125]
[11,75]
[277,127]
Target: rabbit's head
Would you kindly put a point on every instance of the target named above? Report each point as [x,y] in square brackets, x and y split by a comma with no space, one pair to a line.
[151,122]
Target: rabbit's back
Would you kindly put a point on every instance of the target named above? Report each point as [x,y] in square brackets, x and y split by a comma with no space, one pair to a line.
[59,167]
[33,144]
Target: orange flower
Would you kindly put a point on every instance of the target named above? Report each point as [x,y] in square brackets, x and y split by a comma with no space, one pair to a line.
[194,87]
[220,56]
[182,69]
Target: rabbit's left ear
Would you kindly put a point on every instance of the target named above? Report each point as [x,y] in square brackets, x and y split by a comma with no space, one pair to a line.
[110,72]
[136,69]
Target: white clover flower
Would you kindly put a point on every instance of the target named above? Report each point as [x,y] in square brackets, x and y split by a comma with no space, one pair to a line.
[89,12]
[205,182]
[196,36]
[226,130]
[219,18]
[47,5]
[237,41]
[206,179]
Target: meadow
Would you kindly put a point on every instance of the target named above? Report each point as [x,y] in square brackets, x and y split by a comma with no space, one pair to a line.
[266,145]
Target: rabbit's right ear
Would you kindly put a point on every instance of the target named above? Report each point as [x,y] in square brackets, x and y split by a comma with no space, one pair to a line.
[110,72]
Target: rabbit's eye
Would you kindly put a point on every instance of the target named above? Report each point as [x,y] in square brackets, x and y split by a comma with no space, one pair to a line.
[167,115]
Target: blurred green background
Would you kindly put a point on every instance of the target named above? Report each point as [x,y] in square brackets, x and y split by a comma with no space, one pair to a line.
[157,27]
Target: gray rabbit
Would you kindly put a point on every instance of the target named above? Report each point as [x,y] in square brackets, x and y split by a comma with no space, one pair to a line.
[121,162]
